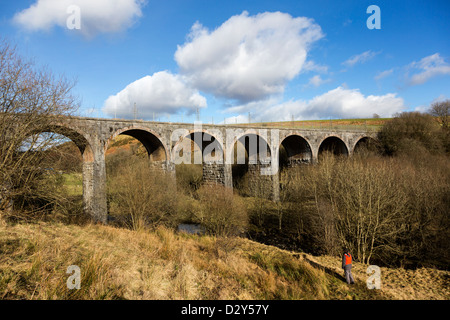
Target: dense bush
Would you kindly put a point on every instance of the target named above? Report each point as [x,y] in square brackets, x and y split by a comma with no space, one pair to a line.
[411,132]
[141,195]
[393,211]
[189,177]
[221,212]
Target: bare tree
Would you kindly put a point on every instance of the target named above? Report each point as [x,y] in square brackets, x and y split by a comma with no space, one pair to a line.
[32,101]
[370,204]
[441,110]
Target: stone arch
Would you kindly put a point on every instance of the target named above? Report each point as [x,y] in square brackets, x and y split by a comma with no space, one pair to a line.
[334,145]
[206,146]
[295,150]
[202,148]
[365,143]
[91,203]
[74,135]
[256,148]
[151,140]
[250,154]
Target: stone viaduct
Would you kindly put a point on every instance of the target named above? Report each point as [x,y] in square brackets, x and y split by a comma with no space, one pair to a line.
[265,149]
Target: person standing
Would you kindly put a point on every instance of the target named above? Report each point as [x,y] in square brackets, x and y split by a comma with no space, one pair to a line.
[347,266]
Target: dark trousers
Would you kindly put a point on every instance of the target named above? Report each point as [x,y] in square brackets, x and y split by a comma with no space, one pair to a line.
[348,274]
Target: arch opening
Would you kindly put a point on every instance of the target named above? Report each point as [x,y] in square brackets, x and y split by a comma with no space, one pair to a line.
[250,153]
[58,134]
[333,145]
[136,177]
[52,163]
[130,145]
[366,145]
[294,151]
[199,159]
[152,144]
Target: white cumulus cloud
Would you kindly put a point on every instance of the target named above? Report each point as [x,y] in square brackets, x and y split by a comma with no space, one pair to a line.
[339,103]
[96,16]
[162,93]
[247,58]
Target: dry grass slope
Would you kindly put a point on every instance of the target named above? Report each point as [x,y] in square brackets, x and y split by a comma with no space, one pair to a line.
[401,284]
[123,264]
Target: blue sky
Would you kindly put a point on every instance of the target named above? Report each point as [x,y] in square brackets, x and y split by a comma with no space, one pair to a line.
[273,59]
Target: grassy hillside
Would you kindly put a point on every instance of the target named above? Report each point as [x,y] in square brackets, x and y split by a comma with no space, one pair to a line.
[122,264]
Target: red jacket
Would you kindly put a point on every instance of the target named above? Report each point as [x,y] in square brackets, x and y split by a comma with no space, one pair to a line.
[346,259]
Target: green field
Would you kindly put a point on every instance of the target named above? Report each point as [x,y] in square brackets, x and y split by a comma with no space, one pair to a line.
[73,182]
